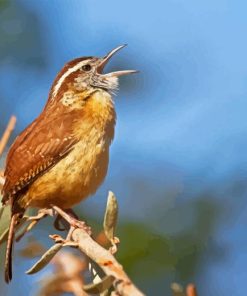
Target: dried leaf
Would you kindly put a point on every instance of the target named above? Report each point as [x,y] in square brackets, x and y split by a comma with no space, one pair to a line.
[45,259]
[111,215]
[100,287]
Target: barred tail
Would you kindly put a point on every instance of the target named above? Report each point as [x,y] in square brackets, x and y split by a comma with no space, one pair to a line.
[8,257]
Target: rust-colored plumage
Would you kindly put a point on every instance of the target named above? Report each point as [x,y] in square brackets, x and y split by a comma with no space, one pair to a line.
[41,145]
[62,157]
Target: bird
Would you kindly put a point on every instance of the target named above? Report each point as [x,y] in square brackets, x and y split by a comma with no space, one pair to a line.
[62,157]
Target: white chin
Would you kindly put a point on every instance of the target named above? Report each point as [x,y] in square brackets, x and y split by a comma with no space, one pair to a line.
[112,83]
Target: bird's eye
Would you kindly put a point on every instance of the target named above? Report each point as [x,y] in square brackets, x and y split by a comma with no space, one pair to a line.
[86,68]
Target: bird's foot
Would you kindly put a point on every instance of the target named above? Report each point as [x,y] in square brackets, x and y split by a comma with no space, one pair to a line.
[41,214]
[33,221]
[72,213]
[60,223]
[66,242]
[73,222]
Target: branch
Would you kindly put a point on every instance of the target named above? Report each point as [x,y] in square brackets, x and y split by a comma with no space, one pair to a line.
[1,179]
[79,236]
[106,261]
[4,140]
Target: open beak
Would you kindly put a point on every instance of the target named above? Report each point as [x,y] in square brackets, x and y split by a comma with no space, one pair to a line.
[105,60]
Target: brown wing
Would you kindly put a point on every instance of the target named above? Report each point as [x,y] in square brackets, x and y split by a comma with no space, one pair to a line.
[41,145]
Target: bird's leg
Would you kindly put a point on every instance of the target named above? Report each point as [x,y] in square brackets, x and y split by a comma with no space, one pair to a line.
[72,213]
[33,221]
[69,235]
[73,222]
[42,213]
[60,220]
[57,223]
[66,242]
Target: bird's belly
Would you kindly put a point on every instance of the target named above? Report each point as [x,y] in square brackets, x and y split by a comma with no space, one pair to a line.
[72,179]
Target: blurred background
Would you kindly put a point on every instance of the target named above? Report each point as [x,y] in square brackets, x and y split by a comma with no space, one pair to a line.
[178,162]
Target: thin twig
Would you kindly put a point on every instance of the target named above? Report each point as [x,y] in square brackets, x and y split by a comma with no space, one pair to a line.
[33,221]
[2,179]
[4,140]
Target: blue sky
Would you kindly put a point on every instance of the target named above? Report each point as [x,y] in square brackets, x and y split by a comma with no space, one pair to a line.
[192,84]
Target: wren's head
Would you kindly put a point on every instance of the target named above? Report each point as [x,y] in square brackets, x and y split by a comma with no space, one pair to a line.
[86,74]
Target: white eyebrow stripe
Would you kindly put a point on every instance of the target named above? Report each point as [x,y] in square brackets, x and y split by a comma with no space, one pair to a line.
[65,75]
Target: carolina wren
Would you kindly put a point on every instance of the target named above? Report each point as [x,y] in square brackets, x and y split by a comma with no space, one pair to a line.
[62,156]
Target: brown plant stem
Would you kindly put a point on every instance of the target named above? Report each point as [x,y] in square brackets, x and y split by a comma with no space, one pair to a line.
[191,290]
[10,127]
